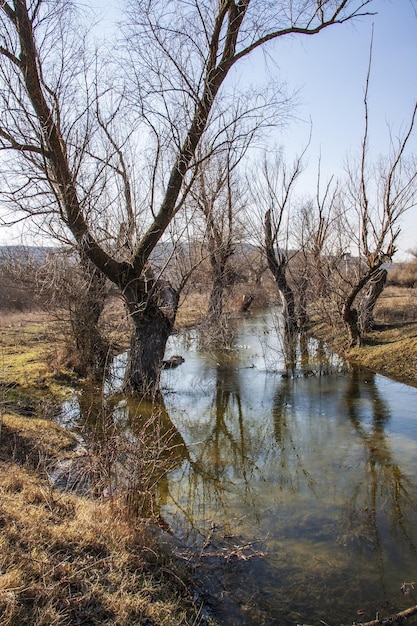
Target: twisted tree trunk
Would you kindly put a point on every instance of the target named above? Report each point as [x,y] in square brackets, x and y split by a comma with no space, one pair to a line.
[277,263]
[350,314]
[366,310]
[152,311]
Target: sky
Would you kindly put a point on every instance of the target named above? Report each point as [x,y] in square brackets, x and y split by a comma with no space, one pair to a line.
[328,71]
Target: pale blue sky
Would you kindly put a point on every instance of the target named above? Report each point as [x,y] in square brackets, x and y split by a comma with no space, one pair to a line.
[330,69]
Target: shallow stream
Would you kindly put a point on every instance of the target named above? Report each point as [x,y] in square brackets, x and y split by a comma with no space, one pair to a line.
[295,490]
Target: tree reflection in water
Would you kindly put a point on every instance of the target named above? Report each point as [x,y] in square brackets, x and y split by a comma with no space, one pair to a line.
[300,459]
[386,498]
[131,445]
[287,482]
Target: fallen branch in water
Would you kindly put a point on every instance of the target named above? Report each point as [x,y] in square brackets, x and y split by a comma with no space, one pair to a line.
[238,552]
[392,620]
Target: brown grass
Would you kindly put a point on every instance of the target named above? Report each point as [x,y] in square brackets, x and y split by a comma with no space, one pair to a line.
[65,559]
[397,304]
[30,345]
[391,348]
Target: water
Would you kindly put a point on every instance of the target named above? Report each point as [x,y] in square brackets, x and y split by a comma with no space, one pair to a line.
[292,492]
[299,493]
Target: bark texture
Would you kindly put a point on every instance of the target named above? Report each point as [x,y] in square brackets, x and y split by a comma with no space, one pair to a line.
[277,263]
[367,306]
[153,316]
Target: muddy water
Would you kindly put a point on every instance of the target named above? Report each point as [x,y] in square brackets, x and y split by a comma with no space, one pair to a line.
[293,491]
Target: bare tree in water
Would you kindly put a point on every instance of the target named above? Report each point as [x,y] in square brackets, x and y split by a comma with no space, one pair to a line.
[321,240]
[377,196]
[272,186]
[75,141]
[219,198]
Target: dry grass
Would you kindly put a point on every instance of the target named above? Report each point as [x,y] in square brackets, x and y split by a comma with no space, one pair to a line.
[30,349]
[391,348]
[397,304]
[65,559]
[33,441]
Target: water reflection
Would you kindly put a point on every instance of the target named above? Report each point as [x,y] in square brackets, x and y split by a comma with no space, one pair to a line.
[290,482]
[389,497]
[131,444]
[304,462]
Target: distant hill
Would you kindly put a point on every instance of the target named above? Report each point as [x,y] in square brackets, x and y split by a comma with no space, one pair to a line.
[25,253]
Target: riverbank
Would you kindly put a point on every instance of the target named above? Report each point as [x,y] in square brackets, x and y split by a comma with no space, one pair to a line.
[67,558]
[391,348]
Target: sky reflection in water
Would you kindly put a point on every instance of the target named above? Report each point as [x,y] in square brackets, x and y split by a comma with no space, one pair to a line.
[299,491]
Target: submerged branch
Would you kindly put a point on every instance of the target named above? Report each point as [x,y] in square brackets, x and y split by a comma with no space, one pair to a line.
[397,618]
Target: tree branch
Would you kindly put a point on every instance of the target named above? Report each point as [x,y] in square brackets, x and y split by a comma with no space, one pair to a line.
[397,618]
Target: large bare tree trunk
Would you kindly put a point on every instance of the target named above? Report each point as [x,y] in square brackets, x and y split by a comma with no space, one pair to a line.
[350,314]
[375,288]
[302,302]
[85,311]
[153,319]
[277,264]
[147,348]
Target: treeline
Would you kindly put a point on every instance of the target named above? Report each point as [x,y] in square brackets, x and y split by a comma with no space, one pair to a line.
[146,165]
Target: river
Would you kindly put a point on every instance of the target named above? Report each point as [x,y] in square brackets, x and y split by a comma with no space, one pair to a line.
[295,494]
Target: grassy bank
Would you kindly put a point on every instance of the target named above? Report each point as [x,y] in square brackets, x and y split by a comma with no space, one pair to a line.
[65,558]
[391,348]
[70,559]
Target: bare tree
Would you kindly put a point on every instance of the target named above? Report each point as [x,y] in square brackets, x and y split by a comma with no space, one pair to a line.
[75,287]
[214,188]
[218,197]
[182,55]
[378,196]
[320,238]
[375,288]
[272,188]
